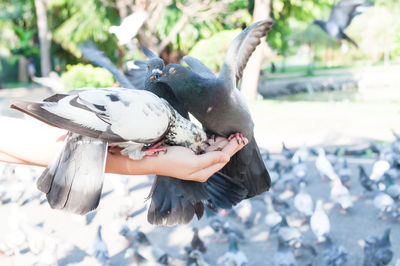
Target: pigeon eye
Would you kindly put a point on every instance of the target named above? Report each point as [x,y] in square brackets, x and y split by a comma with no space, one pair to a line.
[172,70]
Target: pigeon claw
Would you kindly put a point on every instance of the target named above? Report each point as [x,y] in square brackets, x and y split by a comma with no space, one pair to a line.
[238,136]
[155,149]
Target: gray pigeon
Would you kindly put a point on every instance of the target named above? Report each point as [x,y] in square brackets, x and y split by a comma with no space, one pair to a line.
[378,251]
[219,106]
[342,14]
[127,118]
[175,201]
[284,256]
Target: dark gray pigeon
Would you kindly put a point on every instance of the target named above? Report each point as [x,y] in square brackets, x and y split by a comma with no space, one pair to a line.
[173,201]
[342,14]
[377,251]
[219,106]
[333,254]
[127,118]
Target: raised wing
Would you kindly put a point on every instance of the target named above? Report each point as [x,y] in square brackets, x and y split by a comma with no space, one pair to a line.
[241,49]
[97,57]
[344,11]
[198,67]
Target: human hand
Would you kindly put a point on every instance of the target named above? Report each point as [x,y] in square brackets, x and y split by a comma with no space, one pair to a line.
[179,162]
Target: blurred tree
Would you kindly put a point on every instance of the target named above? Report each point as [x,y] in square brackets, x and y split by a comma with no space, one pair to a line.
[41,15]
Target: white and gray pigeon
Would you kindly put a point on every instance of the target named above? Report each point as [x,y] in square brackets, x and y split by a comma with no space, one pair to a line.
[219,106]
[319,222]
[324,166]
[340,194]
[131,119]
[303,201]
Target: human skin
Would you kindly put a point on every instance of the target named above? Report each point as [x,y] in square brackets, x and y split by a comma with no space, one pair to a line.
[31,142]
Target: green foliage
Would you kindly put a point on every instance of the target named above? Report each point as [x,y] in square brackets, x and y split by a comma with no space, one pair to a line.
[80,75]
[212,51]
[26,46]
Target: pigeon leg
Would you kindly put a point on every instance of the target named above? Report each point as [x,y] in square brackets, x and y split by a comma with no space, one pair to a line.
[154,149]
[238,136]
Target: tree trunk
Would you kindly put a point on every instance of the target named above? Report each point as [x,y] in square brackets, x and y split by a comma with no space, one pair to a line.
[22,69]
[251,73]
[41,15]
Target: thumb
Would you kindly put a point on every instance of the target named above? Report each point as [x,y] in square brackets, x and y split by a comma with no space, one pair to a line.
[210,158]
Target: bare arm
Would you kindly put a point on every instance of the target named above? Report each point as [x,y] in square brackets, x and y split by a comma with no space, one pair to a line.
[32,142]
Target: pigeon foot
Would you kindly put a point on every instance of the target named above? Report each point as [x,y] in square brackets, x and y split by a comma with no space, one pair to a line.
[238,136]
[155,149]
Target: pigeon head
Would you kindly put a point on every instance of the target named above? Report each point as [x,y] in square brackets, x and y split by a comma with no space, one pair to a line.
[319,22]
[177,76]
[154,68]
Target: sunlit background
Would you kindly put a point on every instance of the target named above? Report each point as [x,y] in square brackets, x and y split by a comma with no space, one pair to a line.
[313,91]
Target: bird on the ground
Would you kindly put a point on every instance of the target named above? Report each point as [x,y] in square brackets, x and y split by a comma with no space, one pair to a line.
[289,234]
[100,249]
[218,105]
[324,166]
[384,203]
[367,183]
[345,174]
[300,170]
[303,202]
[48,256]
[196,242]
[234,256]
[319,222]
[284,256]
[340,195]
[287,153]
[272,217]
[300,155]
[129,27]
[195,258]
[342,13]
[334,255]
[379,168]
[378,251]
[130,119]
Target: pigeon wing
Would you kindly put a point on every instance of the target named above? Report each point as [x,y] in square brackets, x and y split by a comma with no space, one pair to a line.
[97,57]
[198,67]
[241,48]
[344,11]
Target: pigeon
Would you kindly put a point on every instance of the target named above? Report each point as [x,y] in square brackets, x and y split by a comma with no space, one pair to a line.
[219,106]
[100,250]
[300,155]
[303,201]
[234,256]
[289,234]
[130,119]
[324,166]
[367,183]
[272,218]
[379,168]
[334,255]
[345,174]
[378,251]
[300,170]
[340,195]
[195,258]
[319,222]
[284,256]
[342,13]
[288,154]
[384,203]
[196,242]
[129,27]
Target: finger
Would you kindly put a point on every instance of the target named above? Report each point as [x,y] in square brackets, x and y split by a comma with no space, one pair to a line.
[217,146]
[233,146]
[203,174]
[210,158]
[216,140]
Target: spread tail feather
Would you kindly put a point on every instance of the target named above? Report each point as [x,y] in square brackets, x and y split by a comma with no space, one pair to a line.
[74,180]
